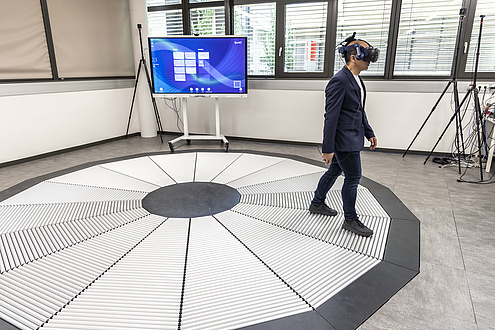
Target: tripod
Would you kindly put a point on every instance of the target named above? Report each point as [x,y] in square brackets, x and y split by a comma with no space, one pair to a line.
[481,134]
[142,63]
[459,140]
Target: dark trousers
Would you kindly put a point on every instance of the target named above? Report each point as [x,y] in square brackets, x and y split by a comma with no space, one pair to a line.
[350,164]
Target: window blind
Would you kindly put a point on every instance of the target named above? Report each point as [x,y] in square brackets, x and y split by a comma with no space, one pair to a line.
[150,3]
[92,38]
[487,55]
[23,48]
[305,34]
[370,19]
[426,38]
[208,21]
[167,22]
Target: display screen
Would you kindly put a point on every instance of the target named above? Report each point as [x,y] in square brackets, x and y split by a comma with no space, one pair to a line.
[199,66]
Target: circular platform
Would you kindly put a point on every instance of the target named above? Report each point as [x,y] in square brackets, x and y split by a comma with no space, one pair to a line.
[191,200]
[197,240]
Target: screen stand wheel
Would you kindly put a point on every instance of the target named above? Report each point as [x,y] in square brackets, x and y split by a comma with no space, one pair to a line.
[188,137]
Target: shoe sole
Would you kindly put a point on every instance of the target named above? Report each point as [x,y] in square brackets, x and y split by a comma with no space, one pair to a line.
[358,233]
[330,215]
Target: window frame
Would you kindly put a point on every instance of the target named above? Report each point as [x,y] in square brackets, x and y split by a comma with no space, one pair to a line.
[470,21]
[185,6]
[280,41]
[330,43]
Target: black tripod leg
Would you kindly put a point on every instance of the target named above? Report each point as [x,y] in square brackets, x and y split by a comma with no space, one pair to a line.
[157,117]
[133,98]
[481,129]
[431,112]
[459,139]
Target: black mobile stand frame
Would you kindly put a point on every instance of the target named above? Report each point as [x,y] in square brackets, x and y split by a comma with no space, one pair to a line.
[142,63]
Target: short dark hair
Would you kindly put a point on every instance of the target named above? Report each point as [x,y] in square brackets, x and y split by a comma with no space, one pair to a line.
[352,51]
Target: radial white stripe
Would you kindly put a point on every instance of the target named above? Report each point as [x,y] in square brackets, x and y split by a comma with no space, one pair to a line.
[61,276]
[142,291]
[285,169]
[210,165]
[226,286]
[52,192]
[313,268]
[180,167]
[142,168]
[97,176]
[245,165]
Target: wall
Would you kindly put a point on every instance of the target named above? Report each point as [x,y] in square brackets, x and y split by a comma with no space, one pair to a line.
[37,123]
[395,110]
[40,123]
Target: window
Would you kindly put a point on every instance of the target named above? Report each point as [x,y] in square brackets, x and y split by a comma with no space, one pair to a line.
[161,2]
[167,22]
[257,22]
[206,21]
[426,37]
[370,19]
[487,55]
[305,35]
[301,32]
[298,38]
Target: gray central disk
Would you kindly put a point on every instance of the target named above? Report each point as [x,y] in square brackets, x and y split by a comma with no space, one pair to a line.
[191,200]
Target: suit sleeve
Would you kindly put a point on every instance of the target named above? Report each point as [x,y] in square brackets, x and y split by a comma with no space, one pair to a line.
[368,131]
[334,97]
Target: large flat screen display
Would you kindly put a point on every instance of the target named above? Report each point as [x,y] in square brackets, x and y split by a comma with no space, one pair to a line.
[199,66]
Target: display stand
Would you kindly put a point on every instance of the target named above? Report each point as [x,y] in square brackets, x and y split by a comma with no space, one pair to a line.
[188,137]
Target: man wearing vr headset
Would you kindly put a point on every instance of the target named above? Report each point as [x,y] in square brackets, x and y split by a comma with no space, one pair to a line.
[344,130]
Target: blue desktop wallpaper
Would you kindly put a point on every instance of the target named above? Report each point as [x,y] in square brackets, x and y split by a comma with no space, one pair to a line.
[198,65]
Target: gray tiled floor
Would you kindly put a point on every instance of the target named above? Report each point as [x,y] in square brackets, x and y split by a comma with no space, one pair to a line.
[455,289]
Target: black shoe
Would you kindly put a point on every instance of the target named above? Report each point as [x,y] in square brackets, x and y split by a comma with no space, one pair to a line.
[357,227]
[322,209]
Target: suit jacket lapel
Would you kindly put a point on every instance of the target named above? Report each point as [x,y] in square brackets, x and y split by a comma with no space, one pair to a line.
[354,84]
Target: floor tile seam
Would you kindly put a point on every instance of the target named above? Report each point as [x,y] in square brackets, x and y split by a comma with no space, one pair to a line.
[227,167]
[299,295]
[102,274]
[93,186]
[154,162]
[417,271]
[273,181]
[458,239]
[184,276]
[129,176]
[464,266]
[255,172]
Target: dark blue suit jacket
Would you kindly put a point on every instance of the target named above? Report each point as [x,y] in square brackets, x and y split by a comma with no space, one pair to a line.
[345,124]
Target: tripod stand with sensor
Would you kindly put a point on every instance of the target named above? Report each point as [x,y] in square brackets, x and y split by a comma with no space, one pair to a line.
[459,140]
[142,63]
[481,134]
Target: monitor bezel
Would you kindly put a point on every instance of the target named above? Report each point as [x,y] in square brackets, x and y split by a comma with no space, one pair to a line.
[196,95]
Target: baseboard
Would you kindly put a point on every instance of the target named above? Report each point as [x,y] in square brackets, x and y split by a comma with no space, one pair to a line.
[61,151]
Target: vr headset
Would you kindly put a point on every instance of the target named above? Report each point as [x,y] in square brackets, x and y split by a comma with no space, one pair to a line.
[369,54]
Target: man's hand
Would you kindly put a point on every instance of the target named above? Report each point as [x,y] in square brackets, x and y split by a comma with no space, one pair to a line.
[373,142]
[327,157]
